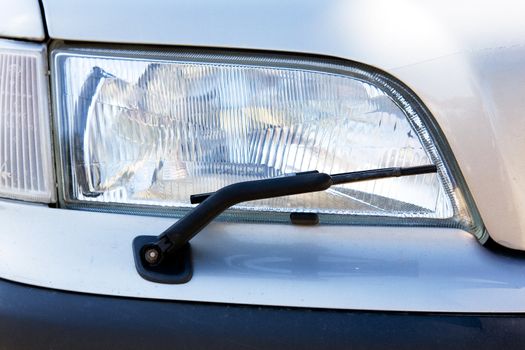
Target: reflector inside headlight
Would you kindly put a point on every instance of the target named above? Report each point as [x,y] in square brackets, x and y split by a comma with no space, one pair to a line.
[26,168]
[150,129]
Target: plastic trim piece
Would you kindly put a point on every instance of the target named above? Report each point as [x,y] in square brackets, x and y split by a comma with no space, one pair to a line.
[33,318]
[175,269]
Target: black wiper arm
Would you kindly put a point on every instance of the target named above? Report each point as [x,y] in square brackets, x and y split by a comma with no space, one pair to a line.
[166,258]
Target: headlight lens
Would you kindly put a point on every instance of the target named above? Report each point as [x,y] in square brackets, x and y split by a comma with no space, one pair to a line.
[26,168]
[146,130]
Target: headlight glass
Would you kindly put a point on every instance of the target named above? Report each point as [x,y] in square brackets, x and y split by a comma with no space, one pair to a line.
[145,130]
[26,168]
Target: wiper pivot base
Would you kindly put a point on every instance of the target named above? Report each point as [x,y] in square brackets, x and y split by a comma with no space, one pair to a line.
[175,268]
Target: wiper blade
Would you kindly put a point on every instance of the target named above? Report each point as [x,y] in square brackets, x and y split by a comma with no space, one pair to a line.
[354,176]
[166,258]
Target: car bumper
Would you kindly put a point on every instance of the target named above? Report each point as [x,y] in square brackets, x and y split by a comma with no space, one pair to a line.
[32,317]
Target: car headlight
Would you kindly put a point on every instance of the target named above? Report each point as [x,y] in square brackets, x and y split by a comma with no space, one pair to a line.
[26,167]
[143,130]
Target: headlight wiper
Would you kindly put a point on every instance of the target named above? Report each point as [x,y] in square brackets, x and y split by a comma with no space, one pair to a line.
[167,258]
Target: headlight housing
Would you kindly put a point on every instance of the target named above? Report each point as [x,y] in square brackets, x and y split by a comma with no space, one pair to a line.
[143,130]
